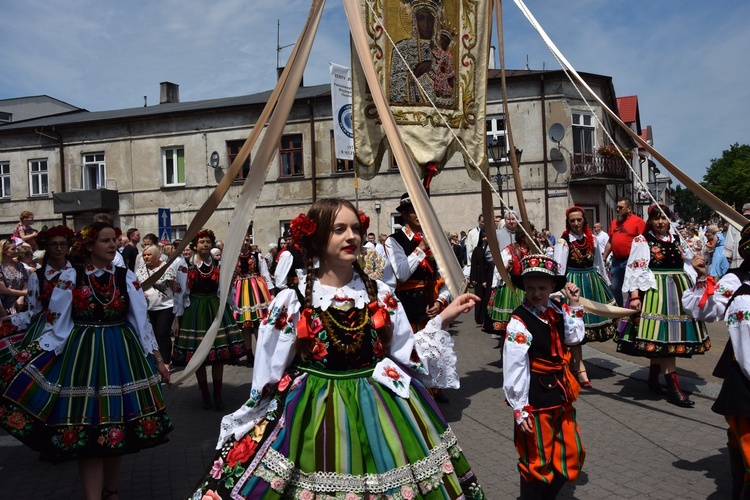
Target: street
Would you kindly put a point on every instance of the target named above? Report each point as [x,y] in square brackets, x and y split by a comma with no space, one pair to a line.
[638,446]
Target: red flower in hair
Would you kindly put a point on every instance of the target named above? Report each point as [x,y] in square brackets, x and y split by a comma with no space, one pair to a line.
[301,227]
[364,221]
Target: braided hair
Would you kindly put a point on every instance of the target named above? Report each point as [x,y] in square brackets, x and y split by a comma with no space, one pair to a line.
[312,241]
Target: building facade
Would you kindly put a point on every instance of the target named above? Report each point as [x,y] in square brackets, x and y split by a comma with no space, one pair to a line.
[172,155]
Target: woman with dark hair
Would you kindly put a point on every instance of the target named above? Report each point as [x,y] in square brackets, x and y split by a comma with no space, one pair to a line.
[88,388]
[196,308]
[503,301]
[580,260]
[336,408]
[56,242]
[482,270]
[655,280]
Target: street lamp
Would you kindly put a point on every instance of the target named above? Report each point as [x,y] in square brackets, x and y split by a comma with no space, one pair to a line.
[496,149]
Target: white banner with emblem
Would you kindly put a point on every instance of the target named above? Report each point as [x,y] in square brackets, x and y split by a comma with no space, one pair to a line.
[341,100]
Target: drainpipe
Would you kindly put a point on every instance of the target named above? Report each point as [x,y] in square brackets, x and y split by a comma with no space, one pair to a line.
[545,160]
[311,103]
[57,137]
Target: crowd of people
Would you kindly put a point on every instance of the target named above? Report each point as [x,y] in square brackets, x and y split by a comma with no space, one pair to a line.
[351,349]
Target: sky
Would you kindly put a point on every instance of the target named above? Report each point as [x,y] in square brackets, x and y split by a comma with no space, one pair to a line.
[686,60]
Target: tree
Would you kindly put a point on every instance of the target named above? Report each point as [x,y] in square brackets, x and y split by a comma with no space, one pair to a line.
[728,177]
[689,207]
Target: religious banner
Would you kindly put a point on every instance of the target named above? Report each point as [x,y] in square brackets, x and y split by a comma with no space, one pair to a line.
[431,60]
[341,101]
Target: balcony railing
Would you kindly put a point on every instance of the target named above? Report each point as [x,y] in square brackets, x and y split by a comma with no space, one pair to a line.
[591,166]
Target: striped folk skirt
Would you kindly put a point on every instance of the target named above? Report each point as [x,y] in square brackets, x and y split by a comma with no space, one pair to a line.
[252,298]
[501,305]
[663,329]
[100,397]
[593,287]
[195,322]
[343,435]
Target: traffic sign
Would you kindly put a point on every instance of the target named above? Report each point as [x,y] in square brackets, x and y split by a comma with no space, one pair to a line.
[165,225]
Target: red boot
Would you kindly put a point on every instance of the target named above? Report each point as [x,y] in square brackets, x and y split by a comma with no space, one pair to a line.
[675,394]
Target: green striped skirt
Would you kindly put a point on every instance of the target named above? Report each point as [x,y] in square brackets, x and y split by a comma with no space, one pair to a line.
[593,287]
[193,327]
[99,397]
[663,329]
[501,305]
[343,435]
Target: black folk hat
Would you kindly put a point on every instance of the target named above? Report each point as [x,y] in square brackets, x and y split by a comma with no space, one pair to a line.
[539,265]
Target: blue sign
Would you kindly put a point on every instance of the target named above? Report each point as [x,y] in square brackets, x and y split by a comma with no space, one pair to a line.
[165,225]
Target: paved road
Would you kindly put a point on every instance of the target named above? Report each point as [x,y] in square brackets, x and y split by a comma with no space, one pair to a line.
[638,445]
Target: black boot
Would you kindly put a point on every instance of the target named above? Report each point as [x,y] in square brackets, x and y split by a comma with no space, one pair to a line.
[737,468]
[675,394]
[653,380]
[218,401]
[203,386]
[534,490]
[250,358]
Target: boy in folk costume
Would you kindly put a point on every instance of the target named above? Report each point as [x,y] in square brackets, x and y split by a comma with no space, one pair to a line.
[729,300]
[538,383]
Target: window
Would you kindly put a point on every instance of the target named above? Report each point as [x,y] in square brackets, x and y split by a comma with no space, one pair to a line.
[583,133]
[6,117]
[38,177]
[233,149]
[173,166]
[290,156]
[94,172]
[178,232]
[340,166]
[5,179]
[284,227]
[496,131]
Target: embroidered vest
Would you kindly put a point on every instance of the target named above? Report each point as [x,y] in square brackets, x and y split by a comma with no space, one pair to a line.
[101,300]
[545,390]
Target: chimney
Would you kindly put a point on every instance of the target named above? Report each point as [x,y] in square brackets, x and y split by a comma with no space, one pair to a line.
[170,92]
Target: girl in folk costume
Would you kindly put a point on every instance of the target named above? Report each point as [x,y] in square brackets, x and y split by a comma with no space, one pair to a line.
[336,408]
[581,262]
[251,293]
[729,300]
[29,324]
[88,388]
[537,380]
[655,280]
[196,309]
[503,301]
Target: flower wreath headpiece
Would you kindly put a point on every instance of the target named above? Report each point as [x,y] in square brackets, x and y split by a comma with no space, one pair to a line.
[301,228]
[54,232]
[364,221]
[205,233]
[83,237]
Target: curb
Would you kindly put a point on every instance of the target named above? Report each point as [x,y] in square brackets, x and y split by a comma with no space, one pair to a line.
[696,387]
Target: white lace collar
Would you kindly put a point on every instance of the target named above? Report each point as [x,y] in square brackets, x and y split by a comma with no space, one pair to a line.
[574,237]
[92,269]
[50,271]
[325,295]
[198,262]
[667,238]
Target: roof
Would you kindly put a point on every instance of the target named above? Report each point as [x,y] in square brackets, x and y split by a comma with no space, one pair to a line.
[84,117]
[627,108]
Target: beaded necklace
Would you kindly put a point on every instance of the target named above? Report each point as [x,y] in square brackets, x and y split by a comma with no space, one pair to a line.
[107,291]
[210,268]
[329,322]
